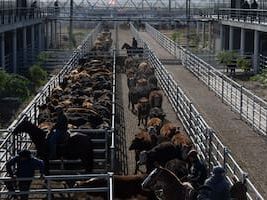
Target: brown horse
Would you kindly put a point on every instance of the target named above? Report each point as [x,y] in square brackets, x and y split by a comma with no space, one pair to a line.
[125,187]
[78,146]
[169,185]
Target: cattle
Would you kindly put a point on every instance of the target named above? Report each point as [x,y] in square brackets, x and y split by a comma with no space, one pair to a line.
[125,187]
[155,99]
[143,110]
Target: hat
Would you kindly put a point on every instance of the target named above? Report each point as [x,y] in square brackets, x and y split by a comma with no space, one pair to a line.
[25,153]
[218,170]
[192,153]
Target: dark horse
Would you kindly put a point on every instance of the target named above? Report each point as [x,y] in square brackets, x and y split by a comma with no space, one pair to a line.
[78,146]
[133,51]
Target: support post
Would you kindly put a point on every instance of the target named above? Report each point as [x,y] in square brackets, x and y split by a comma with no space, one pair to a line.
[256,52]
[231,38]
[40,34]
[222,37]
[47,34]
[14,41]
[55,33]
[24,45]
[210,36]
[242,41]
[70,25]
[33,42]
[51,34]
[203,34]
[3,53]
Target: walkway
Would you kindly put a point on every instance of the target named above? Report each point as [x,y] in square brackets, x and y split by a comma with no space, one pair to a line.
[131,127]
[248,148]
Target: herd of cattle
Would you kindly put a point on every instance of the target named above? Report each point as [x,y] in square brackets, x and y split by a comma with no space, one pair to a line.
[85,95]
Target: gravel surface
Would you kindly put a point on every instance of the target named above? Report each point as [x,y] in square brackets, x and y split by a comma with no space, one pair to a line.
[247,147]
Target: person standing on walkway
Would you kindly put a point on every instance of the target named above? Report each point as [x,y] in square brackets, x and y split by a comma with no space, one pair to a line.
[220,187]
[23,166]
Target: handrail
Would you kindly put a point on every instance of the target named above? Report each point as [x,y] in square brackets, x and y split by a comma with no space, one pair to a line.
[48,191]
[204,138]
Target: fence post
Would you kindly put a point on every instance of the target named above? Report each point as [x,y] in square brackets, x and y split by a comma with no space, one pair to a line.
[209,135]
[35,113]
[110,186]
[222,88]
[225,153]
[241,101]
[49,195]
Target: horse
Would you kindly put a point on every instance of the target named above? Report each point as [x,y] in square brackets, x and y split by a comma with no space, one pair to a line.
[133,51]
[125,187]
[161,179]
[77,146]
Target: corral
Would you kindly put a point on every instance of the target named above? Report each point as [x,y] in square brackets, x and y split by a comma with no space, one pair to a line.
[93,89]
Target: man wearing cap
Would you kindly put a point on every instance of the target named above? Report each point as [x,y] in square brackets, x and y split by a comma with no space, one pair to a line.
[197,171]
[23,166]
[134,43]
[59,132]
[219,184]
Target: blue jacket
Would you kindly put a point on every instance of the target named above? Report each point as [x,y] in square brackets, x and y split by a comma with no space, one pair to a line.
[220,187]
[25,168]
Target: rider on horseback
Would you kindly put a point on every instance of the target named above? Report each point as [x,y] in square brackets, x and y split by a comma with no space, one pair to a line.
[59,133]
[134,43]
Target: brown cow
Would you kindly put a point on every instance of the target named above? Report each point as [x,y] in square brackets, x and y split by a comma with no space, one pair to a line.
[155,98]
[125,187]
[143,111]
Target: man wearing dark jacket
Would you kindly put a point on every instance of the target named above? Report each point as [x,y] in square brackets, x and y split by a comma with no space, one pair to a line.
[219,184]
[198,171]
[59,132]
[134,43]
[26,165]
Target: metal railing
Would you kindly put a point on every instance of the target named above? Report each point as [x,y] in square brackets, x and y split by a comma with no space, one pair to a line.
[12,144]
[211,149]
[15,15]
[50,188]
[250,107]
[257,16]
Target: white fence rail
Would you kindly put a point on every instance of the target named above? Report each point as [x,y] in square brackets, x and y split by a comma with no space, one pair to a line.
[208,144]
[47,192]
[250,107]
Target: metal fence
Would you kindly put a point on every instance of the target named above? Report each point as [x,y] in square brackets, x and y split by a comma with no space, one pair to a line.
[204,138]
[250,107]
[11,144]
[52,188]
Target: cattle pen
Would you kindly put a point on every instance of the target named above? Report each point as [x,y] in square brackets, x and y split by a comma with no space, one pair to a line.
[111,153]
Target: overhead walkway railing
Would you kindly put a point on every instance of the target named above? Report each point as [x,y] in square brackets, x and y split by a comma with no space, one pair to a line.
[12,144]
[250,107]
[16,15]
[211,149]
[255,16]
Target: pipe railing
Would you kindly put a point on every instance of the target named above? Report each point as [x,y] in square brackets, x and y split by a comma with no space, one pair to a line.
[211,149]
[10,145]
[49,190]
